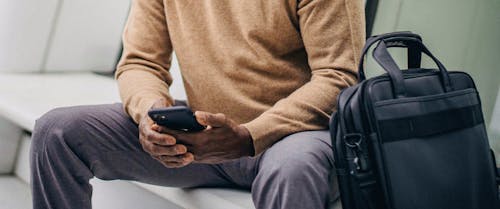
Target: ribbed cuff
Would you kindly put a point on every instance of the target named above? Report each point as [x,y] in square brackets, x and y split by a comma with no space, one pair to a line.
[139,90]
[265,131]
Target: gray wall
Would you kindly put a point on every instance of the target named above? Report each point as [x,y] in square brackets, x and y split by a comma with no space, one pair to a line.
[463,34]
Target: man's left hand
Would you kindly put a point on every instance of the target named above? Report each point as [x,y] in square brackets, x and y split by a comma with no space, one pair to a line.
[221,141]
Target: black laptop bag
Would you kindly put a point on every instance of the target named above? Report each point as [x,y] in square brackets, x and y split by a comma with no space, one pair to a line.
[412,139]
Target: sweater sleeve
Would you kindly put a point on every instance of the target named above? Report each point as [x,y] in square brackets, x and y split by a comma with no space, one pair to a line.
[333,35]
[142,72]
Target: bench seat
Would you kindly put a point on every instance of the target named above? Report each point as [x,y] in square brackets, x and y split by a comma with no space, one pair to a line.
[25,97]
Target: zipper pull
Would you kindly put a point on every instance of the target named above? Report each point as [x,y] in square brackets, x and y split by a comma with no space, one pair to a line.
[353,141]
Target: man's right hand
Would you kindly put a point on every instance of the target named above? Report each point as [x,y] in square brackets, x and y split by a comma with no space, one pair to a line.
[162,147]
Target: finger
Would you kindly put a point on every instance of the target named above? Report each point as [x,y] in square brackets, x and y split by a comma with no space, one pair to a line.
[163,129]
[156,127]
[185,158]
[214,120]
[201,117]
[158,150]
[159,138]
[174,164]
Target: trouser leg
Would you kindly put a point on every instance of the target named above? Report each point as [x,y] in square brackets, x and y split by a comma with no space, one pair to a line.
[295,173]
[72,145]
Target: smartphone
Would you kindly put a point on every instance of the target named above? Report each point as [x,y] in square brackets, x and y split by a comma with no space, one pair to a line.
[176,118]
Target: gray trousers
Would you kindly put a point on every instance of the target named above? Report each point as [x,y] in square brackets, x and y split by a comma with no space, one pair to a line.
[72,145]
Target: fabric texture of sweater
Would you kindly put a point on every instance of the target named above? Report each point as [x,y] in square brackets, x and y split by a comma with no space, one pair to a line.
[274,66]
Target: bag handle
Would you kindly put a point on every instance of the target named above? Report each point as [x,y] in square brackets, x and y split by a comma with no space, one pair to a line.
[384,59]
[414,55]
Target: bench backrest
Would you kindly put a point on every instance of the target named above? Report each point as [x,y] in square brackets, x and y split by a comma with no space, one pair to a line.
[60,35]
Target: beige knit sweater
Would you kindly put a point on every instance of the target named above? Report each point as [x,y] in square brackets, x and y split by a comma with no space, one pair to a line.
[275,66]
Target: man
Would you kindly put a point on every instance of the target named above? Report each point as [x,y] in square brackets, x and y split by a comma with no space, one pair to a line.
[263,76]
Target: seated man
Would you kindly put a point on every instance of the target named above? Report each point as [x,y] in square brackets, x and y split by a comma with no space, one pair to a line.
[262,75]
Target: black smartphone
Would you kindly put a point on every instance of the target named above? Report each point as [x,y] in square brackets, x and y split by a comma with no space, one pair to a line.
[176,118]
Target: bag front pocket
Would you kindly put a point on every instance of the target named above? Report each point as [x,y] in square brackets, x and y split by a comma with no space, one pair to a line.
[435,152]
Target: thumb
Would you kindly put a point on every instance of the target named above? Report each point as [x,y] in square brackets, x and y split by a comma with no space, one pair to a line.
[209,119]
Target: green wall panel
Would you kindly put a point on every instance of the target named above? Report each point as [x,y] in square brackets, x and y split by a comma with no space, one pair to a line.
[463,34]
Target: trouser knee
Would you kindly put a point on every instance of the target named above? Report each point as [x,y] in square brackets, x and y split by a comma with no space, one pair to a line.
[53,129]
[294,172]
